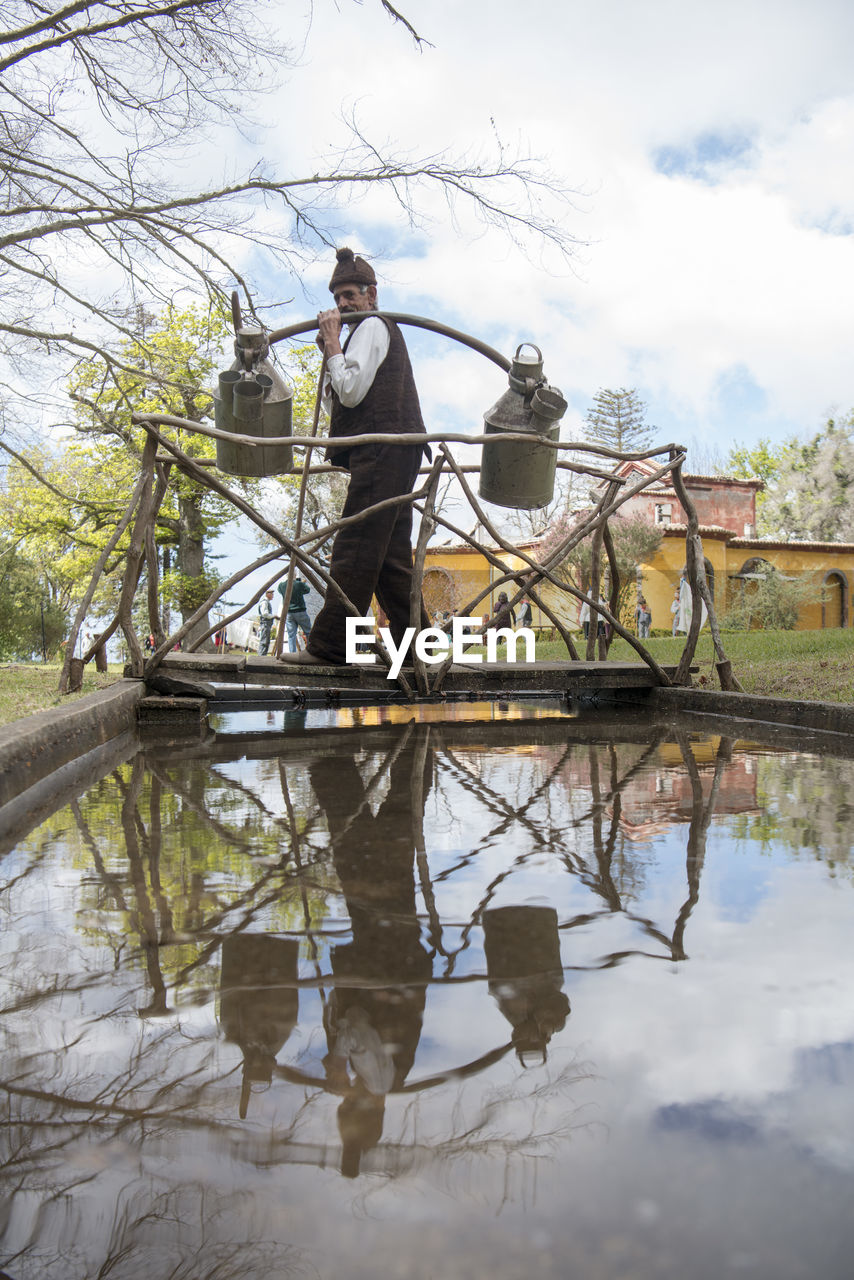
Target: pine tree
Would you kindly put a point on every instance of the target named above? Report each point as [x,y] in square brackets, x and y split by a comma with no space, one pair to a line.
[617,419]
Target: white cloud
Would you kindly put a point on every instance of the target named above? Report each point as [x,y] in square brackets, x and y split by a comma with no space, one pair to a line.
[710,144]
[732,260]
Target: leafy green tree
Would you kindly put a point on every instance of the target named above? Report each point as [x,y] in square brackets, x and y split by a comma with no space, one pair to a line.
[618,419]
[58,510]
[809,484]
[763,461]
[170,367]
[812,496]
[31,623]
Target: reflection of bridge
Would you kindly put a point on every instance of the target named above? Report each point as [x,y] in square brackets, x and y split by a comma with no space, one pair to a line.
[326,1009]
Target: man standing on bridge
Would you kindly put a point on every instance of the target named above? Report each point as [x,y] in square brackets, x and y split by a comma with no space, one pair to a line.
[371,391]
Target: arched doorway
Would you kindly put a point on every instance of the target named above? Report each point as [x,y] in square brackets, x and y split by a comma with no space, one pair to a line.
[439,590]
[754,568]
[834,599]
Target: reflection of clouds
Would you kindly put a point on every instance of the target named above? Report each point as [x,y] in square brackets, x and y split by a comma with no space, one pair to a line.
[744,1047]
[733,1019]
[815,1113]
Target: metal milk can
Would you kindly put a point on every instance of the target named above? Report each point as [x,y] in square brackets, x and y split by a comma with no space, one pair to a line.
[253,399]
[521,474]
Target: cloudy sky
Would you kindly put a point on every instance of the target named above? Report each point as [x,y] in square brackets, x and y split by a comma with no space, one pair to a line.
[711,149]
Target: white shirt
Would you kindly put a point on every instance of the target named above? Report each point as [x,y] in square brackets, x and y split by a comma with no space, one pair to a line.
[352,374]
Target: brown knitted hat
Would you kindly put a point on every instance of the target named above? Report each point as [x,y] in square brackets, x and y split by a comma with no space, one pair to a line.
[350,270]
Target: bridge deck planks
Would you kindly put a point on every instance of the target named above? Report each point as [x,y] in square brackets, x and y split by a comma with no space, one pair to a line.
[557,676]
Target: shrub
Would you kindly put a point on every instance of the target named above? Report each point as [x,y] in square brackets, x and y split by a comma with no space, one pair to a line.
[771,602]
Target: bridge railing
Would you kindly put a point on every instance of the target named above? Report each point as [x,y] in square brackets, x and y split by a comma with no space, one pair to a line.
[162,456]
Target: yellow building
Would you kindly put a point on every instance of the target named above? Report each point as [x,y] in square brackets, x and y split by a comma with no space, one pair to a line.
[735,559]
[733,563]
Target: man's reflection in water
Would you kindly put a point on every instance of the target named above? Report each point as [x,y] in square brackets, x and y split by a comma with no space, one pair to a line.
[525,974]
[259,1002]
[373,1019]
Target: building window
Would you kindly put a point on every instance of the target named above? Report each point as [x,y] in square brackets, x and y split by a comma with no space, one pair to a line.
[663,512]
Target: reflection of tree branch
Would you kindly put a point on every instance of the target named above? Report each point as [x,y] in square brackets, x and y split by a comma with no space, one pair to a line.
[111,882]
[155,848]
[296,853]
[214,921]
[97,1106]
[295,1075]
[419,764]
[143,919]
[598,806]
[701,816]
[492,800]
[30,999]
[498,804]
[218,828]
[33,864]
[607,853]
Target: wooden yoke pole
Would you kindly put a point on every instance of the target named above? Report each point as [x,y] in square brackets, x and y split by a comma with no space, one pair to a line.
[289,584]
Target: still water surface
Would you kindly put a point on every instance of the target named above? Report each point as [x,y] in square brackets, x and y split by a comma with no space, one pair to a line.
[433,997]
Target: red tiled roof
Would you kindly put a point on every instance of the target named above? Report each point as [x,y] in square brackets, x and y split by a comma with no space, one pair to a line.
[775,544]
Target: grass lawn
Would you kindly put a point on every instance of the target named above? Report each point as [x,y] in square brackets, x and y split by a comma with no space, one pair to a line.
[26,687]
[814,665]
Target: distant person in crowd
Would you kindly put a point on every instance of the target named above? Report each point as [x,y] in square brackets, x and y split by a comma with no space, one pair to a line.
[503,616]
[643,618]
[297,618]
[686,606]
[526,615]
[584,618]
[674,609]
[265,619]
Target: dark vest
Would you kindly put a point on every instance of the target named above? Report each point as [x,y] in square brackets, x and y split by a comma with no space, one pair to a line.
[390,405]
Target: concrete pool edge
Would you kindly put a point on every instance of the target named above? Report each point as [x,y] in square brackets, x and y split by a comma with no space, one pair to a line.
[34,748]
[823,717]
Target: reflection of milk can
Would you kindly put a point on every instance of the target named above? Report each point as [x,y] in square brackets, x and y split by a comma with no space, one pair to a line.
[525,974]
[254,401]
[519,474]
[259,1001]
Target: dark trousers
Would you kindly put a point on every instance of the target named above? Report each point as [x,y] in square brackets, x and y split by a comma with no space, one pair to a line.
[373,557]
